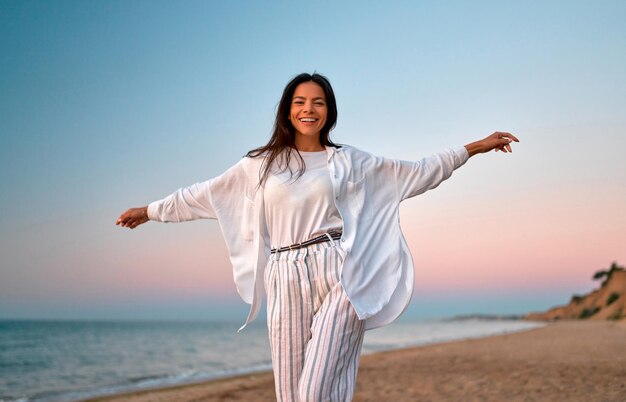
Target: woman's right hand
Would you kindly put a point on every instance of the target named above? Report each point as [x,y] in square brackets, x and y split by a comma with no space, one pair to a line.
[133,217]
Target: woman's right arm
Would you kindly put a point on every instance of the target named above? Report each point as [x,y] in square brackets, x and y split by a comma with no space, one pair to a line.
[198,201]
[185,204]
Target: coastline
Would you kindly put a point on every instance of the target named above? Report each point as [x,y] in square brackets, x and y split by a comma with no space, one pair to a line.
[565,360]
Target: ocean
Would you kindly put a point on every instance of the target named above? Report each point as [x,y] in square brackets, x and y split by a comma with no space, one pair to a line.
[59,361]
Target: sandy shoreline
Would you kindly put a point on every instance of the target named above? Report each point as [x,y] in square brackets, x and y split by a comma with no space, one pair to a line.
[564,361]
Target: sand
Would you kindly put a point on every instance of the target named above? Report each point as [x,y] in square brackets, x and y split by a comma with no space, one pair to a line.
[564,361]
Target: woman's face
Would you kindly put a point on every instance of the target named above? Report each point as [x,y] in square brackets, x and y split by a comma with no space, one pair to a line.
[308,109]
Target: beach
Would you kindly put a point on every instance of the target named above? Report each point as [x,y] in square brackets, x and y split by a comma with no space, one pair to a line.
[563,361]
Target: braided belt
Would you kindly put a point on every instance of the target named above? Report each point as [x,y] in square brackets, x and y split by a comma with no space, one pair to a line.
[319,239]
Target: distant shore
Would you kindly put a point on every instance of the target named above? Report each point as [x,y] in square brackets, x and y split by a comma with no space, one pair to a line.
[564,361]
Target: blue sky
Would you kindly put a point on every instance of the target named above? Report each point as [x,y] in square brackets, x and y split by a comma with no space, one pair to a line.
[108,105]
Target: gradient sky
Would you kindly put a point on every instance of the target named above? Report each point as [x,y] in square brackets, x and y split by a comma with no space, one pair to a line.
[110,105]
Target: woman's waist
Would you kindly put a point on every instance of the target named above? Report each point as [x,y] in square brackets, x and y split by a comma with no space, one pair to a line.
[288,237]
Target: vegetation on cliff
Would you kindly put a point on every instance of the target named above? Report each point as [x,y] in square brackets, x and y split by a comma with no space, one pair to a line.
[606,303]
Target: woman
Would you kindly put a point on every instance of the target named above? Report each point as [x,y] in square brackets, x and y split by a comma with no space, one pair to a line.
[315,225]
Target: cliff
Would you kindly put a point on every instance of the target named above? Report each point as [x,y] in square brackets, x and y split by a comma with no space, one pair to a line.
[607,302]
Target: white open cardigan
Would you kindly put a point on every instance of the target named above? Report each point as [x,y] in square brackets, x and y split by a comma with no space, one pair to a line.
[377,272]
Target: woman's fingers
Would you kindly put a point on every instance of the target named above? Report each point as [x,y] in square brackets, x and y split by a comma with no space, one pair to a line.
[123,219]
[504,144]
[499,134]
[131,223]
[511,136]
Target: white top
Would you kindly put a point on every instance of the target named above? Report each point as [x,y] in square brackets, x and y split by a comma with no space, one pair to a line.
[377,271]
[296,211]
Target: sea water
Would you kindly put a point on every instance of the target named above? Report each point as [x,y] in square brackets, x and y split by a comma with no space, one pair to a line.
[73,360]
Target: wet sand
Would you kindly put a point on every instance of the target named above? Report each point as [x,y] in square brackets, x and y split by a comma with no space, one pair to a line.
[564,361]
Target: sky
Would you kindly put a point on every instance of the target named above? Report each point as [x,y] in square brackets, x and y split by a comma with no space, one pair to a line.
[110,105]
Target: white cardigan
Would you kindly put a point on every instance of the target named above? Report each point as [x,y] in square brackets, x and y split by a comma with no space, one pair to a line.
[377,272]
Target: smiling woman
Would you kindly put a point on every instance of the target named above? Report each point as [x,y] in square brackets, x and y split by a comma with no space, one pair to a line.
[325,245]
[304,98]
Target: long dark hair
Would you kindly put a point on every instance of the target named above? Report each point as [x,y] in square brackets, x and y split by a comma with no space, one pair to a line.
[284,134]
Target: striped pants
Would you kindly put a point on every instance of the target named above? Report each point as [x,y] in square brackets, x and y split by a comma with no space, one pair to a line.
[315,334]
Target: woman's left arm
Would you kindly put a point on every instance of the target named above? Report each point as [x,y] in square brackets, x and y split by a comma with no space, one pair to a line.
[499,141]
[412,178]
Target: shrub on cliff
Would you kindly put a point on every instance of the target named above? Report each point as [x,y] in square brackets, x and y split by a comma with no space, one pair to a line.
[607,273]
[612,297]
[588,312]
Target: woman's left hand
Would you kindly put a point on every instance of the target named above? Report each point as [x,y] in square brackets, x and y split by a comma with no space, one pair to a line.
[133,217]
[500,141]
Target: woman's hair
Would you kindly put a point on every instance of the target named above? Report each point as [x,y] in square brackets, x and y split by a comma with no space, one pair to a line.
[284,134]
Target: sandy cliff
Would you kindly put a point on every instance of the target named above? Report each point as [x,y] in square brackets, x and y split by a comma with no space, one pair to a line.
[607,302]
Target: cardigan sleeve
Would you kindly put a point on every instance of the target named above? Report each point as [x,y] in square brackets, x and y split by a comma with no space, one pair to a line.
[199,200]
[407,179]
[416,177]
[185,204]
